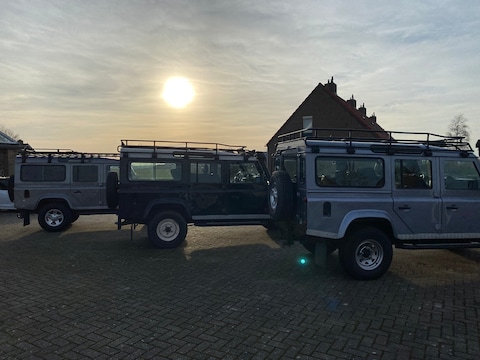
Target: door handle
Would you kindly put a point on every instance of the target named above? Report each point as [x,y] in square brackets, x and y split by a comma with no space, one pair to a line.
[77,192]
[452,207]
[404,207]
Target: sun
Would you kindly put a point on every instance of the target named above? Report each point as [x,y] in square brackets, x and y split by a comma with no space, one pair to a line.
[178,92]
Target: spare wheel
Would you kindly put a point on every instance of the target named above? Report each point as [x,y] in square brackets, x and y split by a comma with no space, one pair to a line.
[280,196]
[10,187]
[112,190]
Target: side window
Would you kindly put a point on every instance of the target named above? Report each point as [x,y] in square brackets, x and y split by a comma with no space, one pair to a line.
[413,174]
[205,173]
[84,173]
[460,175]
[42,173]
[153,171]
[244,173]
[353,172]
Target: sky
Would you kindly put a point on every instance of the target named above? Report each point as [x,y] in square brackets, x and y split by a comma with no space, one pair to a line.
[84,74]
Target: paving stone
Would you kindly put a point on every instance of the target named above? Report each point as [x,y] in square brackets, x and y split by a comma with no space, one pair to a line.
[227,293]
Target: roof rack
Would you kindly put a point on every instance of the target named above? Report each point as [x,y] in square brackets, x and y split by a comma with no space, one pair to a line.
[379,136]
[186,147]
[64,154]
[48,150]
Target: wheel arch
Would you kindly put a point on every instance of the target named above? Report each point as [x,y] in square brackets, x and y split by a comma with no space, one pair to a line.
[49,200]
[156,207]
[372,218]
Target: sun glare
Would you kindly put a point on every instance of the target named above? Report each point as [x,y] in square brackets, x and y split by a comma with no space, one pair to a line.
[178,92]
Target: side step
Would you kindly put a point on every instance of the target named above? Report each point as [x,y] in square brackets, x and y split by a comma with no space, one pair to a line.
[229,223]
[451,245]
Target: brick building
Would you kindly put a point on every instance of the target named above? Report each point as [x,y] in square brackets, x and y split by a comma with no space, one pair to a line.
[324,109]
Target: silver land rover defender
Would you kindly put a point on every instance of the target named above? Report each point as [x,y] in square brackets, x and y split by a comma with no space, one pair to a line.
[60,185]
[363,194]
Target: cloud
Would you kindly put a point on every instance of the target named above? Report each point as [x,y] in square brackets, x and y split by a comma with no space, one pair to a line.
[85,67]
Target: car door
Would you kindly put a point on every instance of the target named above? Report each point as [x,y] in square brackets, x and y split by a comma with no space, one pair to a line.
[247,190]
[86,187]
[460,198]
[206,193]
[416,197]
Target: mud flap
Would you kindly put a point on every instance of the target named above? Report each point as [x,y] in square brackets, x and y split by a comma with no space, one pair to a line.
[321,253]
[26,218]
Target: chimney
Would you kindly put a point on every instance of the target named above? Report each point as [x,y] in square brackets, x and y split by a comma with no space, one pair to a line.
[330,85]
[373,118]
[363,110]
[352,102]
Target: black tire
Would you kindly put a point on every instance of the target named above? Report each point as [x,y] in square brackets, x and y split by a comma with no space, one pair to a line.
[75,217]
[270,225]
[366,254]
[309,244]
[11,187]
[167,230]
[112,190]
[54,217]
[280,196]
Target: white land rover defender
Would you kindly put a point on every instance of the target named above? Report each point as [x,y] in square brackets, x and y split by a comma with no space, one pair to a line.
[60,186]
[362,194]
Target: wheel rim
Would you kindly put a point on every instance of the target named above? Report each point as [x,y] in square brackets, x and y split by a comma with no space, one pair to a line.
[273,198]
[168,230]
[54,217]
[369,254]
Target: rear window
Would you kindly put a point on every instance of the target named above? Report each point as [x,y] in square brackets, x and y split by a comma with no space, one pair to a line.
[42,173]
[155,171]
[461,175]
[85,173]
[356,172]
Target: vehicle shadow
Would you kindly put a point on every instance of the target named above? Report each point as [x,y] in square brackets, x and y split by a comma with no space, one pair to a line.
[219,249]
[233,281]
[470,254]
[266,251]
[207,268]
[210,264]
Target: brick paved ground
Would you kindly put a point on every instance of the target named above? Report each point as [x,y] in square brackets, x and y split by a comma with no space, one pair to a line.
[229,293]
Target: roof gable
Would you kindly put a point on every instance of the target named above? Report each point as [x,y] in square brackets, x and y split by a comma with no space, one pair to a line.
[320,94]
[7,140]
